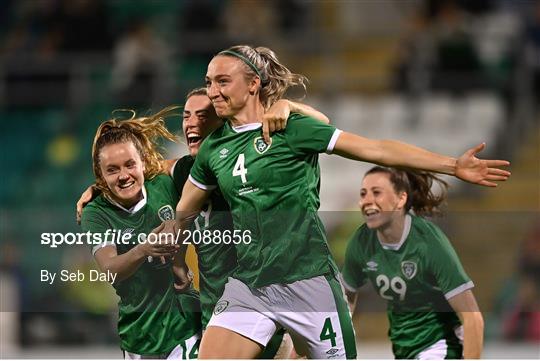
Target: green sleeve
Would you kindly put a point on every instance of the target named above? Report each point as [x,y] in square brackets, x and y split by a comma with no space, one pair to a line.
[446,266]
[352,273]
[306,135]
[201,174]
[92,221]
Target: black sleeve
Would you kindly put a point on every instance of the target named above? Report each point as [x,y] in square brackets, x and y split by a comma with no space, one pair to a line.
[180,172]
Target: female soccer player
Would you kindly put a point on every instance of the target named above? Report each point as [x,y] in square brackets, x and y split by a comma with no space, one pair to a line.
[285,275]
[218,261]
[432,311]
[153,321]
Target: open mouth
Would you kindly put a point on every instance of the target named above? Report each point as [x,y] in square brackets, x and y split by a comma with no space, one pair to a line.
[370,213]
[193,139]
[126,185]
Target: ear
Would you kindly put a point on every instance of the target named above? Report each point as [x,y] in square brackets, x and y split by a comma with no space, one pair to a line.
[402,200]
[254,85]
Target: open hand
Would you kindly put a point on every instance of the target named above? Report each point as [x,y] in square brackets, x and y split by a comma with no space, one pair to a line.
[484,172]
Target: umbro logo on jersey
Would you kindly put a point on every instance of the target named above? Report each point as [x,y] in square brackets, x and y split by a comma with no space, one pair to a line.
[372,266]
[332,351]
[166,213]
[223,153]
[409,269]
[260,145]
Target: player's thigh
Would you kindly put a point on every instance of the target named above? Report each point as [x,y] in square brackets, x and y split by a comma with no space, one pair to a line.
[320,325]
[238,318]
[222,343]
[441,350]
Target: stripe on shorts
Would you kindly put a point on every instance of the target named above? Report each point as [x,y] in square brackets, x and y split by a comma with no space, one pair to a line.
[345,321]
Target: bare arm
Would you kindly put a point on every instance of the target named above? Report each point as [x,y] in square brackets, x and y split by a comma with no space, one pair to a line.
[473,324]
[305,109]
[190,204]
[275,118]
[394,153]
[90,193]
[126,264]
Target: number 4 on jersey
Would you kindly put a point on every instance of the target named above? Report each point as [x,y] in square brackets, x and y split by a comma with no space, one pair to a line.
[239,168]
[328,333]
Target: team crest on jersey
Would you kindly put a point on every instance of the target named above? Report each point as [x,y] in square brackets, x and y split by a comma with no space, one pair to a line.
[220,307]
[166,213]
[260,145]
[409,269]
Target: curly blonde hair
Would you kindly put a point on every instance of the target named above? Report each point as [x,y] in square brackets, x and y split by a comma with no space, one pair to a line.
[143,132]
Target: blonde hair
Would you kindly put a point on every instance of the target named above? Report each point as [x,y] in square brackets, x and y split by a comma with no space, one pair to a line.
[262,62]
[143,132]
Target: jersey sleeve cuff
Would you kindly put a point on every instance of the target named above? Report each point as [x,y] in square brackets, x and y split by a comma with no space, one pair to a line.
[456,291]
[333,141]
[200,185]
[347,286]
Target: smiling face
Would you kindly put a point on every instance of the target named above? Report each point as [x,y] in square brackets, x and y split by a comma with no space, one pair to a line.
[123,171]
[227,85]
[200,119]
[379,201]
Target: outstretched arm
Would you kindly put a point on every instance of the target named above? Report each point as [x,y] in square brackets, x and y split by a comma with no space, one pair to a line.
[392,153]
[473,324]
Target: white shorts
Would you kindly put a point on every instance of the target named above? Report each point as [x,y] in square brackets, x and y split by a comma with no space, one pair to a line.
[313,311]
[186,350]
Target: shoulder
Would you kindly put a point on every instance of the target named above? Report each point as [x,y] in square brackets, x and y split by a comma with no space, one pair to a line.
[301,120]
[184,163]
[427,229]
[161,187]
[95,212]
[160,181]
[361,237]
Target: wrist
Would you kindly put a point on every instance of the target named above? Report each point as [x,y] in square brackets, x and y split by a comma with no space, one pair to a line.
[450,166]
[139,251]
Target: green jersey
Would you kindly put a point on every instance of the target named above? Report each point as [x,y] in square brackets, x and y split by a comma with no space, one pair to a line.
[273,192]
[216,261]
[153,319]
[416,277]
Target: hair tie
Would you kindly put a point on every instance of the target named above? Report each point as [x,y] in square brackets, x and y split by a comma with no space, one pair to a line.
[244,59]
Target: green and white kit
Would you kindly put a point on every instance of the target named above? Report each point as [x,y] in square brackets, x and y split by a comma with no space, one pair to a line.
[416,277]
[153,319]
[273,192]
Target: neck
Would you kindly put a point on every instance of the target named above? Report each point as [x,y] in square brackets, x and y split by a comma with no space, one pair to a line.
[130,203]
[252,112]
[392,232]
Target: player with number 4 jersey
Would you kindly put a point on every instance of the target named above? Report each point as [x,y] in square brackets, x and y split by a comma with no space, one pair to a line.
[286,276]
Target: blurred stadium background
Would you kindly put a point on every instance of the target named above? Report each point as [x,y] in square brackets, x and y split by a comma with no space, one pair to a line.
[444,74]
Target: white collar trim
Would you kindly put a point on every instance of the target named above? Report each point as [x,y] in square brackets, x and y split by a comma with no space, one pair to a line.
[246,127]
[137,207]
[404,235]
